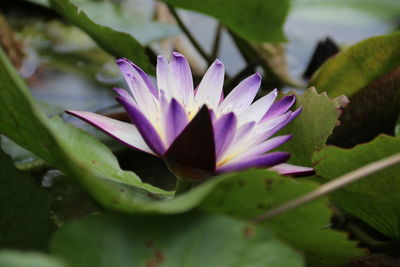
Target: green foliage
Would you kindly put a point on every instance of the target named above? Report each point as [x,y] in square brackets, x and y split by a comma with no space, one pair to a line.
[310,132]
[375,199]
[252,193]
[184,240]
[257,20]
[386,9]
[117,43]
[368,72]
[358,66]
[121,19]
[9,258]
[25,210]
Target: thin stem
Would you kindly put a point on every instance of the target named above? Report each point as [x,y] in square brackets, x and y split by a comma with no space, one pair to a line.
[216,43]
[182,186]
[187,32]
[331,186]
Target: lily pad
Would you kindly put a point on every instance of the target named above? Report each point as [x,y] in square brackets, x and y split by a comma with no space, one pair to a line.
[312,127]
[375,199]
[25,221]
[184,240]
[249,19]
[359,65]
[117,43]
[367,72]
[252,193]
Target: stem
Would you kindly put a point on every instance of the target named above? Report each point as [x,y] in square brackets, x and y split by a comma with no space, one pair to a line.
[188,34]
[182,186]
[245,49]
[331,186]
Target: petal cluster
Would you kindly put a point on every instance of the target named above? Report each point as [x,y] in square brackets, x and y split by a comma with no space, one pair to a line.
[197,131]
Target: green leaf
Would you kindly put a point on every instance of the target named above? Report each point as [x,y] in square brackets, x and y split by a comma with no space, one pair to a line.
[375,199]
[372,111]
[25,221]
[9,258]
[120,18]
[117,43]
[312,127]
[358,66]
[368,73]
[385,9]
[184,240]
[251,193]
[257,20]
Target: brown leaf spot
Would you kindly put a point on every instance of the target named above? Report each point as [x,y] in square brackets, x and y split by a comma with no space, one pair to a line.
[248,232]
[268,183]
[156,260]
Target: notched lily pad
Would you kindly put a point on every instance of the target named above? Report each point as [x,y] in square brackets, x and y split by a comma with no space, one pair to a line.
[311,129]
[249,194]
[184,240]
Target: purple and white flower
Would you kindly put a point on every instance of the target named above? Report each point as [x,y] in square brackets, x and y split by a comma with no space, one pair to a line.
[197,131]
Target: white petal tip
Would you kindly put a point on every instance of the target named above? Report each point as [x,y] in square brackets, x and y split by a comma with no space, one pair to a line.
[177,54]
[218,63]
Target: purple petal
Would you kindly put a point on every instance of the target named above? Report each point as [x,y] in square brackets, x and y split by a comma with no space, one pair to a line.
[242,95]
[264,147]
[141,93]
[136,76]
[181,78]
[280,107]
[144,126]
[176,120]
[145,77]
[192,154]
[259,108]
[162,71]
[224,131]
[293,170]
[244,130]
[290,116]
[263,161]
[124,132]
[123,93]
[210,87]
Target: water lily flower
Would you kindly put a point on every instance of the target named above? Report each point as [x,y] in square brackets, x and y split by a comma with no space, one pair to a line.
[197,131]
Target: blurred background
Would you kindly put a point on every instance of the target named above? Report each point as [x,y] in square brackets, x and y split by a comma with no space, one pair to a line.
[66,69]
